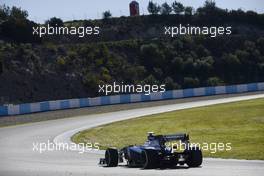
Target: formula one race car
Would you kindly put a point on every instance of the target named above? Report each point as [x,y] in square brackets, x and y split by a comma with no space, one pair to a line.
[155,153]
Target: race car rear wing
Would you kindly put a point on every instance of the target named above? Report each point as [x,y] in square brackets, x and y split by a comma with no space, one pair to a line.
[175,137]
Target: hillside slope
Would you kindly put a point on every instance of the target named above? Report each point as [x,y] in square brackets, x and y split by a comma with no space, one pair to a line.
[133,51]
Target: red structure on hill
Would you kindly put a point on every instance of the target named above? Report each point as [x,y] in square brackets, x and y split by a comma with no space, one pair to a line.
[134,8]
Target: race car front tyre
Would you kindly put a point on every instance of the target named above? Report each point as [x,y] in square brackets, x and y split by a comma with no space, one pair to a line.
[111,157]
[150,159]
[195,157]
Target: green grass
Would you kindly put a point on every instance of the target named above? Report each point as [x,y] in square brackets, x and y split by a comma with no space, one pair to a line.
[240,123]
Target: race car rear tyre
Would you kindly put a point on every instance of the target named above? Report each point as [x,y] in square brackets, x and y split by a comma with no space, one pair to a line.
[111,157]
[150,159]
[195,157]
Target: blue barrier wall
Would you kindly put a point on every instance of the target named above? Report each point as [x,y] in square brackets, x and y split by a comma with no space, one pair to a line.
[128,98]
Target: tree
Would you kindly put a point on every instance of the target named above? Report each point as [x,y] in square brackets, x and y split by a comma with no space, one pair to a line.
[210,8]
[4,12]
[203,66]
[1,60]
[190,82]
[91,81]
[107,14]
[14,13]
[166,9]
[260,44]
[214,81]
[152,56]
[178,8]
[231,64]
[18,13]
[177,64]
[54,22]
[1,68]
[151,80]
[170,84]
[188,11]
[15,25]
[153,8]
[210,4]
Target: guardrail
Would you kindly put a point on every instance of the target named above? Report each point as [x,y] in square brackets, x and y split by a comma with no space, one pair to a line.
[27,108]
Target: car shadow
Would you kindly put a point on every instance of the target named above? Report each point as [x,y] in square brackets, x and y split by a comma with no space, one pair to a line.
[172,168]
[160,168]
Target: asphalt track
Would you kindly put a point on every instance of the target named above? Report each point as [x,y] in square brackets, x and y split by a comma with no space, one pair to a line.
[17,157]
